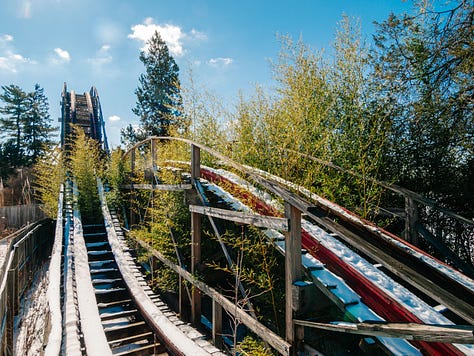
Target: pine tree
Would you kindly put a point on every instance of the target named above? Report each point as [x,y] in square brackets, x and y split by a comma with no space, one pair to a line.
[15,111]
[158,94]
[37,130]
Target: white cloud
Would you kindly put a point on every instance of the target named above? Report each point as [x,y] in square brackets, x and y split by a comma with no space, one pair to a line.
[220,62]
[173,35]
[10,61]
[114,118]
[103,56]
[6,38]
[63,55]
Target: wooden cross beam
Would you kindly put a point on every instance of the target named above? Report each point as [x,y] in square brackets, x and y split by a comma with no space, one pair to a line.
[409,331]
[269,222]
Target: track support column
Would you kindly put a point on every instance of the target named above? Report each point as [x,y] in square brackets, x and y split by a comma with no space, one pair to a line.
[217,324]
[195,238]
[293,273]
[153,154]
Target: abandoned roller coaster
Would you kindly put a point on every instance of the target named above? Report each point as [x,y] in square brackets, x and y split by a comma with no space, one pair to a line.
[390,297]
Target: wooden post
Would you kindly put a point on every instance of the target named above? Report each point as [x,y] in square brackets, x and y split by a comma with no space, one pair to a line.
[132,193]
[184,301]
[195,260]
[132,161]
[293,270]
[195,239]
[411,218]
[217,324]
[195,162]
[153,154]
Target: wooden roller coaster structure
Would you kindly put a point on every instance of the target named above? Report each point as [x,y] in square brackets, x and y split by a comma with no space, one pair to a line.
[100,303]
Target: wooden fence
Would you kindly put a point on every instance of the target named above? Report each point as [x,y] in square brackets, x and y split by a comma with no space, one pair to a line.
[16,216]
[28,249]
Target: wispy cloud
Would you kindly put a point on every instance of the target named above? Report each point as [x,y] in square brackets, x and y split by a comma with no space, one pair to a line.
[220,62]
[26,9]
[103,56]
[173,35]
[114,118]
[62,56]
[10,60]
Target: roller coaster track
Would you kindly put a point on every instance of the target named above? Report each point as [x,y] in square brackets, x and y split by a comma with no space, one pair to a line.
[108,308]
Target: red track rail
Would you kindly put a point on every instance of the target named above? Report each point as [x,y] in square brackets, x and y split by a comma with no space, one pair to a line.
[371,295]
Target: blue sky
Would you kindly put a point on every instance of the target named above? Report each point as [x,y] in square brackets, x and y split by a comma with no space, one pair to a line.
[228,44]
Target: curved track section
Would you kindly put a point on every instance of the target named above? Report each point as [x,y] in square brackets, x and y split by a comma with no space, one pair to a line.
[384,296]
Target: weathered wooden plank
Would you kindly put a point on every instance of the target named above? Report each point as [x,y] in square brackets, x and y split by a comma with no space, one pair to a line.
[165,187]
[195,260]
[269,222]
[195,162]
[408,331]
[217,324]
[293,270]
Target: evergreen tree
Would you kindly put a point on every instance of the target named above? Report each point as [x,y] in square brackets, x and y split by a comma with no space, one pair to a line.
[37,130]
[158,94]
[14,111]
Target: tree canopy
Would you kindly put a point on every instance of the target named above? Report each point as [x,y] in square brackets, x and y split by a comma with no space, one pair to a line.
[159,102]
[25,124]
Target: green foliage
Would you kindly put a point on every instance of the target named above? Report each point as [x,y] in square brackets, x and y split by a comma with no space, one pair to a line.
[424,69]
[15,111]
[207,113]
[116,174]
[424,66]
[166,228]
[37,128]
[257,268]
[251,347]
[85,164]
[25,125]
[49,174]
[323,112]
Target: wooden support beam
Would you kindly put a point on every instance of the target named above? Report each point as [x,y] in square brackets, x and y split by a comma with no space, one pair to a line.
[195,162]
[293,269]
[132,161]
[153,153]
[217,324]
[195,260]
[409,331]
[184,300]
[164,187]
[438,244]
[241,217]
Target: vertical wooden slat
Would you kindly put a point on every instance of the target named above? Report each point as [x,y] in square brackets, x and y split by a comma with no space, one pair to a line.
[217,324]
[183,300]
[195,162]
[293,271]
[153,153]
[132,161]
[195,260]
